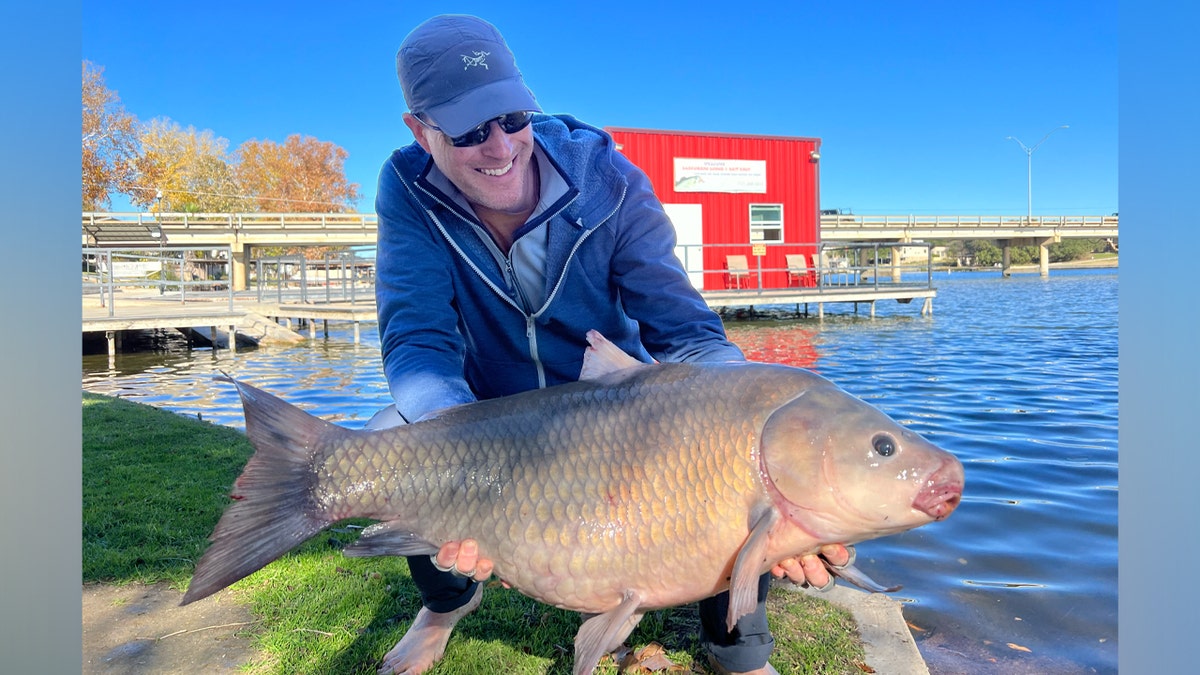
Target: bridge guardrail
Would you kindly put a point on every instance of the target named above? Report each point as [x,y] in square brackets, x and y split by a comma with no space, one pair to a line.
[369,222]
[920,221]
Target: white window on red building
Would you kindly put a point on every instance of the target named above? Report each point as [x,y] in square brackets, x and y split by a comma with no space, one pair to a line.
[766,223]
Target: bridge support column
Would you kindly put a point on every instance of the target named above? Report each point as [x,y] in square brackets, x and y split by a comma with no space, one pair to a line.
[895,256]
[239,272]
[1006,258]
[1044,257]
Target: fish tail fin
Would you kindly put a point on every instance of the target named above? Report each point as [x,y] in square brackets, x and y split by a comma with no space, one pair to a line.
[273,510]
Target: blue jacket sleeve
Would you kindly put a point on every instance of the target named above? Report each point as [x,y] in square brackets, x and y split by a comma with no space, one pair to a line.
[675,322]
[418,325]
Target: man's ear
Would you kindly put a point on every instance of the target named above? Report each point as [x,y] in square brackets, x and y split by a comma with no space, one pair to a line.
[418,131]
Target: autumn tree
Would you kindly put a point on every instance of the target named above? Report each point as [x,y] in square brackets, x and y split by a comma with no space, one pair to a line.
[109,141]
[302,174]
[187,170]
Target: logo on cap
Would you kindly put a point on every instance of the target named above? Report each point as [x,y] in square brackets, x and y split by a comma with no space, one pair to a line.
[477,60]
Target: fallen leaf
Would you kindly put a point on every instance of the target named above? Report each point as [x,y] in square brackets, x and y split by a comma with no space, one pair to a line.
[915,627]
[1013,645]
[649,659]
[864,667]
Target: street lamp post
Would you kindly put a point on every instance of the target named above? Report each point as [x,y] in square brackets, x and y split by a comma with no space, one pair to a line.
[1029,169]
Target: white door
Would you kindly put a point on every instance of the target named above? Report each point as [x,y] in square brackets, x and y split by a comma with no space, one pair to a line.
[688,220]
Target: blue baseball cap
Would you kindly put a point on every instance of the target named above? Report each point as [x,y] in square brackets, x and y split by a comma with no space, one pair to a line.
[458,70]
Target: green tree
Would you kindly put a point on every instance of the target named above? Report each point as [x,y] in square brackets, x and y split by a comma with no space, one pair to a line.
[984,253]
[1075,249]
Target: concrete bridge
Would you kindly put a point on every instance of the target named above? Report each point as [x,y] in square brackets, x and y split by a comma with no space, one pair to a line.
[243,231]
[1008,231]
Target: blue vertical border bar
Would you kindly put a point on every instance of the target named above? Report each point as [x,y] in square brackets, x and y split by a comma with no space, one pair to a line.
[40,391]
[1159,372]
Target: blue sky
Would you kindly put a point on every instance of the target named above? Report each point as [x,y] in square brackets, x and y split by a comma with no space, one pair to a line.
[912,101]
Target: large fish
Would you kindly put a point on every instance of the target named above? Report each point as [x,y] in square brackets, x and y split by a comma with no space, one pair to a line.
[637,488]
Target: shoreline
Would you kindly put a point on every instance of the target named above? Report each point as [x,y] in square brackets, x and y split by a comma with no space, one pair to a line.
[1100,263]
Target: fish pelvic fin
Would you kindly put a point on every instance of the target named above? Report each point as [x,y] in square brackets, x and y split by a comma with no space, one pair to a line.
[273,510]
[743,585]
[389,538]
[603,633]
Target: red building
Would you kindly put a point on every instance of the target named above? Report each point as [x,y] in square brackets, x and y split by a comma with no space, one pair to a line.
[734,198]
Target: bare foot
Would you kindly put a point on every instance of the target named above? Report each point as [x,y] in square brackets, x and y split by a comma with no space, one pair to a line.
[424,642]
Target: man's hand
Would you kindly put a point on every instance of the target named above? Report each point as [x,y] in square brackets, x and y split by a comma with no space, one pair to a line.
[810,569]
[462,558]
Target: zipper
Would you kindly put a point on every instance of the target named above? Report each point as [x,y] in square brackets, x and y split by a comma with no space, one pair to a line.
[530,318]
[531,336]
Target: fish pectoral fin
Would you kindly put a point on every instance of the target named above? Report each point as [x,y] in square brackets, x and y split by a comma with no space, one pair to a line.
[858,578]
[603,357]
[743,585]
[389,538]
[602,633]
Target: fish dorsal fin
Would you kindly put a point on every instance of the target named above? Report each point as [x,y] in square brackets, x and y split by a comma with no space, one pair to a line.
[603,357]
[743,586]
[602,633]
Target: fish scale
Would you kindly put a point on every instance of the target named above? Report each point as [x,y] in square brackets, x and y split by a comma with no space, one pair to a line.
[641,487]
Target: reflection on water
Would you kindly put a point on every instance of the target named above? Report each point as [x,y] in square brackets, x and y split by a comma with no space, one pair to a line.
[1017,377]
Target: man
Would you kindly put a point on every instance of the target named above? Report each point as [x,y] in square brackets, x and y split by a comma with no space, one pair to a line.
[504,236]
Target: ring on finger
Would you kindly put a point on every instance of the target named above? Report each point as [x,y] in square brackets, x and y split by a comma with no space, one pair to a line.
[453,568]
[849,561]
[828,585]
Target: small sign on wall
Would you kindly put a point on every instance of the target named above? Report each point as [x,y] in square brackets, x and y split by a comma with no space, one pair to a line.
[720,175]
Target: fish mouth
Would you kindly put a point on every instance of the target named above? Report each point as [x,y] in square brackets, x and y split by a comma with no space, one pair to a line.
[939,501]
[944,492]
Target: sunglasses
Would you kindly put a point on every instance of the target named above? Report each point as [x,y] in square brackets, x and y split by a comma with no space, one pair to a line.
[510,123]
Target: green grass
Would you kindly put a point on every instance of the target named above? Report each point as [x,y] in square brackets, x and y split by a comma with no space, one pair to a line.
[155,484]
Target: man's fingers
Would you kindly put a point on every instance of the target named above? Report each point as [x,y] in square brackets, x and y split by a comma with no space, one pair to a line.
[446,555]
[483,569]
[462,558]
[836,554]
[814,571]
[791,569]
[468,555]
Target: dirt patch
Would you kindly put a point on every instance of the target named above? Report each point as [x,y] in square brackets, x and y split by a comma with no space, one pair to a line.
[142,629]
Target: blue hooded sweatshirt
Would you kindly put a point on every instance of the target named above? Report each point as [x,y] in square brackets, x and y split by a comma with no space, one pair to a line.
[454,326]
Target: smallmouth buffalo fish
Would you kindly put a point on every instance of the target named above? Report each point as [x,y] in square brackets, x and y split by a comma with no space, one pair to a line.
[639,487]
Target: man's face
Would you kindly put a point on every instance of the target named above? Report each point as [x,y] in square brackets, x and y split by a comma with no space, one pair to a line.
[497,174]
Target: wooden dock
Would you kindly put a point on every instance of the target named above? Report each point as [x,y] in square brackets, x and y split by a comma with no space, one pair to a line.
[721,300]
[225,318]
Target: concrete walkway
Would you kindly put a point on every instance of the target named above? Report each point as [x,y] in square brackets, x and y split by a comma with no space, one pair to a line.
[886,638]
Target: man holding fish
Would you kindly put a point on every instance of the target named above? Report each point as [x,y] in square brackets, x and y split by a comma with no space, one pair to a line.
[505,235]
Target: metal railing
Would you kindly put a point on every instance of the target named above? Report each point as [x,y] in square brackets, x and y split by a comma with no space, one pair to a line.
[337,277]
[175,271]
[825,267]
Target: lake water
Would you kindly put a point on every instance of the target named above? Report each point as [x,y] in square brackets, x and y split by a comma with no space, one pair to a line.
[1017,377]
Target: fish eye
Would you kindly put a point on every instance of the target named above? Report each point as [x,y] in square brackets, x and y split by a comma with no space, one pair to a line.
[885,445]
